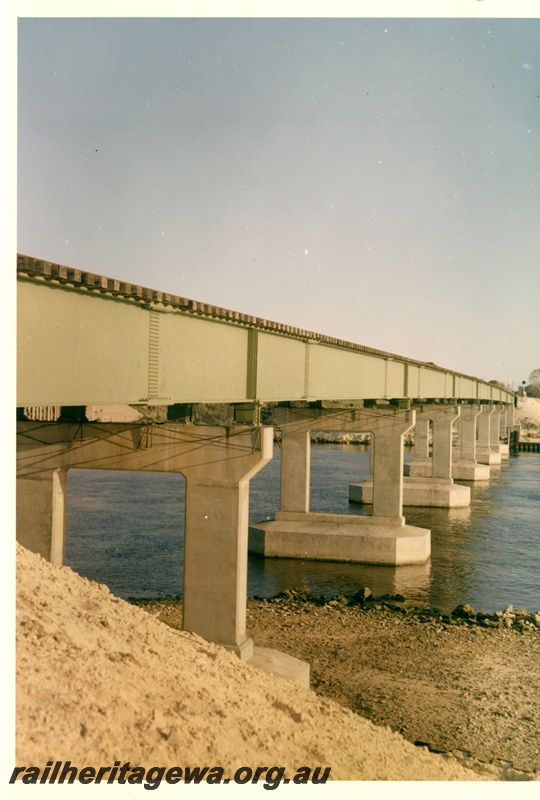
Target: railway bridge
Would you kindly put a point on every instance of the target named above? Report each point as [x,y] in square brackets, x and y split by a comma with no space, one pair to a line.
[212,385]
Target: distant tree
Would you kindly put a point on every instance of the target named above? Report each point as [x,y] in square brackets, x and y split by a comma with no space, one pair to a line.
[533,387]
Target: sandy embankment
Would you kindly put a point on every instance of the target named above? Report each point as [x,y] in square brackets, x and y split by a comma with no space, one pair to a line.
[527,414]
[99,680]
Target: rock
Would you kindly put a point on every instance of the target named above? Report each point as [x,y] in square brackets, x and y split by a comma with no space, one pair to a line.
[286,595]
[307,597]
[392,606]
[363,594]
[465,611]
[488,623]
[508,610]
[535,619]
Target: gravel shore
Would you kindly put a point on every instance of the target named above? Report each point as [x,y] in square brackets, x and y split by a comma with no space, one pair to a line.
[454,687]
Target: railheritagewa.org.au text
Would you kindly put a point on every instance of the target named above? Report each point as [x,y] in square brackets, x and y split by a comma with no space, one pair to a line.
[65,772]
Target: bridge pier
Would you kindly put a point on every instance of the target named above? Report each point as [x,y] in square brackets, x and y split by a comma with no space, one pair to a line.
[217,463]
[495,436]
[484,452]
[382,538]
[465,466]
[429,481]
[215,548]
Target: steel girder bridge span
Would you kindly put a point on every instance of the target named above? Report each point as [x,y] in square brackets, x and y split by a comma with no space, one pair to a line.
[211,384]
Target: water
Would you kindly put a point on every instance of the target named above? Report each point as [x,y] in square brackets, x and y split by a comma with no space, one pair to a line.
[125,529]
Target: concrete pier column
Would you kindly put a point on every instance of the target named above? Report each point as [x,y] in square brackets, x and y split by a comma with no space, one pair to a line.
[466,467]
[484,436]
[41,513]
[484,453]
[494,426]
[503,422]
[216,545]
[443,420]
[295,470]
[421,439]
[421,465]
[495,432]
[467,432]
[388,468]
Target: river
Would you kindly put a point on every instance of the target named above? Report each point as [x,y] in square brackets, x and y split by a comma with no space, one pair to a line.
[125,529]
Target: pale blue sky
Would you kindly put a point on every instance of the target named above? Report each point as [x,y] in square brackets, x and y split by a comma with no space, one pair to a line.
[372,179]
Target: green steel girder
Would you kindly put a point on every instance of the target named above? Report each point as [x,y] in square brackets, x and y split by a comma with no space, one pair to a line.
[84,339]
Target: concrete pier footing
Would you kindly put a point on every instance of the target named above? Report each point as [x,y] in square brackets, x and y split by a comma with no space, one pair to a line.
[488,457]
[438,493]
[463,470]
[340,537]
[282,664]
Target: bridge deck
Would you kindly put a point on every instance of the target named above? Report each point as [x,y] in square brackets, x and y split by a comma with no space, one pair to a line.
[88,339]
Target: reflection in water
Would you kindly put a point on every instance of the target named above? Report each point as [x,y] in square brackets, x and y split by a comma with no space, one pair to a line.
[332,577]
[126,530]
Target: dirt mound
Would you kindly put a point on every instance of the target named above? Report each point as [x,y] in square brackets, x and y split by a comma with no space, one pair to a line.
[527,414]
[100,681]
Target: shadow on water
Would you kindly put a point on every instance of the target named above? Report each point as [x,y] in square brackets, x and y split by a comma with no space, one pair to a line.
[125,529]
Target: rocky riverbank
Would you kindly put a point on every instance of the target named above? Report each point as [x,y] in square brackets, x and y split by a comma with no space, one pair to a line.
[465,684]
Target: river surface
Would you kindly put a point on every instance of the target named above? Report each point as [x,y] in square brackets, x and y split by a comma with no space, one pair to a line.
[125,529]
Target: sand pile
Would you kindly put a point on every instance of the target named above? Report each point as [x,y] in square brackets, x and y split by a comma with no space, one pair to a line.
[527,414]
[100,681]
